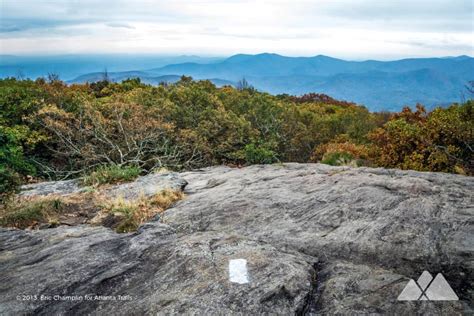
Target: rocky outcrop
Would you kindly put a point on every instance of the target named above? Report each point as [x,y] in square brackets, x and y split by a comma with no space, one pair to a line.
[146,186]
[316,240]
[64,187]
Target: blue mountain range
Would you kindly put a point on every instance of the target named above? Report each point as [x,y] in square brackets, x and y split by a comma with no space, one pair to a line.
[379,85]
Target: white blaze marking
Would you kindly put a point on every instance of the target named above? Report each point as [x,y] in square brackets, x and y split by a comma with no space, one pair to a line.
[238,271]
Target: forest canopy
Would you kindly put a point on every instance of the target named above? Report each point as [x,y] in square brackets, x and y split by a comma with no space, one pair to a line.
[52,130]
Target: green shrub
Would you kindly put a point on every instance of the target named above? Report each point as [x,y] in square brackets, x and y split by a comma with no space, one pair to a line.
[338,159]
[10,182]
[18,139]
[111,174]
[259,155]
[13,163]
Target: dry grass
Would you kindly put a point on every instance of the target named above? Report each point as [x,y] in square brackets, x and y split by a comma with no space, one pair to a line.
[29,213]
[161,170]
[131,214]
[92,207]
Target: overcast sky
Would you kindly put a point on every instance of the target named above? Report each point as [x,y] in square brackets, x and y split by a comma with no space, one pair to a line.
[353,29]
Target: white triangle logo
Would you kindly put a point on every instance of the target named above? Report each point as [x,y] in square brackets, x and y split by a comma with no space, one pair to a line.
[440,290]
[425,288]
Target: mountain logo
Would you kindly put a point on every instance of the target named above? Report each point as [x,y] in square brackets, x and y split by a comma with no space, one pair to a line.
[428,289]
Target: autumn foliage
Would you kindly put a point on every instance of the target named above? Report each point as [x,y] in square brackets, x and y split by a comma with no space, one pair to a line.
[53,130]
[441,140]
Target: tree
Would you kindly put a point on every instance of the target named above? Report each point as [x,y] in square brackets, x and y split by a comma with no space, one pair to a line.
[244,85]
[53,77]
[105,75]
[20,75]
[114,133]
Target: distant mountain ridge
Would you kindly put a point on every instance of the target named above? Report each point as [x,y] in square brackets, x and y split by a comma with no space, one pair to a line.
[71,66]
[272,64]
[379,85]
[143,75]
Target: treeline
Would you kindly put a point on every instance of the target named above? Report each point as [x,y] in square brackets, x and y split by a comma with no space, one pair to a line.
[52,130]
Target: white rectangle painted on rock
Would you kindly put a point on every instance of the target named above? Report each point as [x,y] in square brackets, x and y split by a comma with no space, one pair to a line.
[238,271]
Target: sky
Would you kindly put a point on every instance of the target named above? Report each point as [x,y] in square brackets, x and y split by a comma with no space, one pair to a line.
[351,29]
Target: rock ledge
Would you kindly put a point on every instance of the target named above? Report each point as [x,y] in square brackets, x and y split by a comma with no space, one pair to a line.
[316,239]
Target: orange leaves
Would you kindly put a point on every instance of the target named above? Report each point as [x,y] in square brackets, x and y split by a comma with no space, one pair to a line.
[441,140]
[356,151]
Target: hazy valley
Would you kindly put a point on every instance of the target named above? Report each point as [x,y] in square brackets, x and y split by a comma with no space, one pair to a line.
[379,85]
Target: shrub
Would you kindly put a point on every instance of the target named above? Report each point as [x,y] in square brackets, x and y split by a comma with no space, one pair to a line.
[341,153]
[18,140]
[356,151]
[442,140]
[27,213]
[56,130]
[111,174]
[259,155]
[338,159]
[110,132]
[13,163]
[10,182]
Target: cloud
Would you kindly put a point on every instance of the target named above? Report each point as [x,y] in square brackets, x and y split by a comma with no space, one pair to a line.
[18,25]
[343,28]
[9,28]
[120,25]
